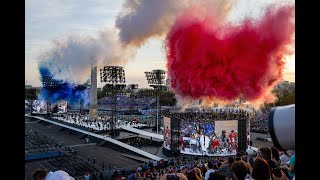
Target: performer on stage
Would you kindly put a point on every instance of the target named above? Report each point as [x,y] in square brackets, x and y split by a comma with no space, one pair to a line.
[235,135]
[193,143]
[167,137]
[223,138]
[212,138]
[204,142]
[231,137]
[182,142]
[197,138]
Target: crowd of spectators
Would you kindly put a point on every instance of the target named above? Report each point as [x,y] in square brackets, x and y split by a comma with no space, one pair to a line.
[267,163]
[259,120]
[127,102]
[103,123]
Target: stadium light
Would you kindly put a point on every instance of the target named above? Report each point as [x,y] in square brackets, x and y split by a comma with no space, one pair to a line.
[49,83]
[155,79]
[114,76]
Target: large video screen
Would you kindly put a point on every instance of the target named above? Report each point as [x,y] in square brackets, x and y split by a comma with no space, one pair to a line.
[39,106]
[208,137]
[167,132]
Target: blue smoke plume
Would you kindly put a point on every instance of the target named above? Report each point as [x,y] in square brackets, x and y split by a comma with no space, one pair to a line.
[72,93]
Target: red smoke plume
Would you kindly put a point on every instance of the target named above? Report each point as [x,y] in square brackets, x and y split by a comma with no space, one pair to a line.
[208,60]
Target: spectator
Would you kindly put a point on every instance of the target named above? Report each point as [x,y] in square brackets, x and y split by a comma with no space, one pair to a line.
[203,170]
[261,170]
[180,175]
[291,170]
[275,155]
[123,172]
[225,168]
[284,158]
[155,164]
[94,176]
[198,173]
[191,174]
[239,169]
[58,175]
[250,155]
[238,156]
[87,176]
[265,153]
[210,170]
[39,174]
[134,176]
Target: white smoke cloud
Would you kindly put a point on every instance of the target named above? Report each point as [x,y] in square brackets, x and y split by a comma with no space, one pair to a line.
[70,59]
[141,19]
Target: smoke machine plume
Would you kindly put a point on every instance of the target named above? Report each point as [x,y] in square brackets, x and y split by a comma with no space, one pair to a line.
[72,93]
[140,20]
[69,59]
[225,62]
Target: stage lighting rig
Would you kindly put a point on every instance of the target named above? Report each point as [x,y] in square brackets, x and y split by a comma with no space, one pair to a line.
[114,76]
[155,79]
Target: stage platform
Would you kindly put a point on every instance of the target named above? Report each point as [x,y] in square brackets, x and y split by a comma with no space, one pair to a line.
[126,146]
[187,151]
[141,132]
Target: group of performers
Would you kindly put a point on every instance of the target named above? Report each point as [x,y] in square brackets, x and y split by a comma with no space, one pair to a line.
[201,143]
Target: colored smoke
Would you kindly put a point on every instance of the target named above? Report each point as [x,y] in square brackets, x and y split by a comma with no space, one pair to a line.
[140,20]
[70,59]
[72,93]
[216,62]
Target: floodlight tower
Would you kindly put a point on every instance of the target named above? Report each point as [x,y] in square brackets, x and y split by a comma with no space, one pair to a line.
[114,76]
[49,84]
[156,80]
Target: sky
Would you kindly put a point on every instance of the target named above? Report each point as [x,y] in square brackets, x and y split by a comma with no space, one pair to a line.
[48,21]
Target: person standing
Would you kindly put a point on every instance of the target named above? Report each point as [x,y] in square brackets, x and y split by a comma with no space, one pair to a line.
[231,138]
[94,159]
[209,171]
[88,158]
[204,141]
[87,176]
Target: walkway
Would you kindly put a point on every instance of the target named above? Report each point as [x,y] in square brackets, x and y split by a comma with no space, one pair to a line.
[141,132]
[126,146]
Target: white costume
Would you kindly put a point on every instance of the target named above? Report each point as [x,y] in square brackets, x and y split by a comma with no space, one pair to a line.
[204,142]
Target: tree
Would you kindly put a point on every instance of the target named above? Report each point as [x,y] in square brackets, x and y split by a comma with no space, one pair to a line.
[167,98]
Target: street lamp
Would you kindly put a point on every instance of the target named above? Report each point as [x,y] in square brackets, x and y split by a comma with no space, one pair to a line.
[114,76]
[156,80]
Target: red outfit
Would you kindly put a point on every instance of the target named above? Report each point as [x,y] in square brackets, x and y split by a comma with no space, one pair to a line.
[230,137]
[182,143]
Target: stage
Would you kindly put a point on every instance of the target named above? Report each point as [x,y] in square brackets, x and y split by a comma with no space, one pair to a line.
[207,133]
[188,151]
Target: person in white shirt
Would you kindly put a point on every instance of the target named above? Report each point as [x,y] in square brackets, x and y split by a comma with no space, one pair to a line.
[204,142]
[210,170]
[61,175]
[87,176]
